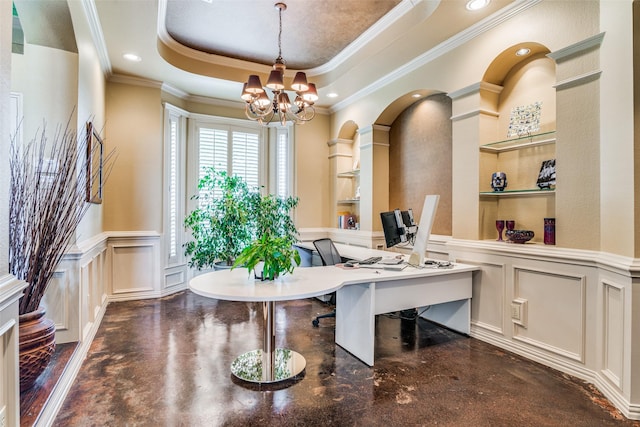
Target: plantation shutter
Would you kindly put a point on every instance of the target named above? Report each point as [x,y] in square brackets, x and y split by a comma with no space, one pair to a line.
[246,157]
[173,187]
[282,165]
[213,152]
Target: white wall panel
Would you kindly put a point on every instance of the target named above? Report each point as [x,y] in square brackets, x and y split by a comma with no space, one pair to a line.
[175,277]
[134,266]
[61,301]
[556,311]
[613,332]
[488,301]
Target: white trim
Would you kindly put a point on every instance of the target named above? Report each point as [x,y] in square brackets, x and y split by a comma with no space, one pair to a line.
[452,43]
[578,80]
[404,7]
[68,377]
[95,28]
[474,89]
[579,47]
[473,113]
[134,81]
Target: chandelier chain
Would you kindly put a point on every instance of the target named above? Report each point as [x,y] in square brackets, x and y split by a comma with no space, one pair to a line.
[280,34]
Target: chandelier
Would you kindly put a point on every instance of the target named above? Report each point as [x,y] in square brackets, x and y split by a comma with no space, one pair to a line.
[258,105]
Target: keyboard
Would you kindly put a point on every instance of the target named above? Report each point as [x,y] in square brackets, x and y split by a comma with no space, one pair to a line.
[372,260]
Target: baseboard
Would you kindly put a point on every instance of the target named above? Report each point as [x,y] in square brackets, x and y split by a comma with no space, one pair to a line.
[612,393]
[68,377]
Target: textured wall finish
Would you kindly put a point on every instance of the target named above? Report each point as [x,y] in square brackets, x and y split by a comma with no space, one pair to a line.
[420,159]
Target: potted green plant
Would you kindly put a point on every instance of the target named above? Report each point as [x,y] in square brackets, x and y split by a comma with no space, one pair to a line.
[269,256]
[221,224]
[271,253]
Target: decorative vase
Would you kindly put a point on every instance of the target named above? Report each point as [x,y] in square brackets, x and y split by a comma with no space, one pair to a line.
[549,231]
[37,341]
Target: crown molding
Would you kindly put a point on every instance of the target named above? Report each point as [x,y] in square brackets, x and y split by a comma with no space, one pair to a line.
[95,28]
[134,81]
[447,46]
[404,7]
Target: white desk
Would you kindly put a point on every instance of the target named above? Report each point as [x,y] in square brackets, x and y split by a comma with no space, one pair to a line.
[362,293]
[366,293]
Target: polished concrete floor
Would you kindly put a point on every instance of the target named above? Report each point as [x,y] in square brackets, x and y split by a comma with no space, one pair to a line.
[165,362]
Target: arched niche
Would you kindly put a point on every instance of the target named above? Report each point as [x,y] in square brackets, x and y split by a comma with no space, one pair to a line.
[420,153]
[524,80]
[518,81]
[348,130]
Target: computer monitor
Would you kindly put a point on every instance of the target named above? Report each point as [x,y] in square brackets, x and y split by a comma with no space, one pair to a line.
[398,227]
[390,228]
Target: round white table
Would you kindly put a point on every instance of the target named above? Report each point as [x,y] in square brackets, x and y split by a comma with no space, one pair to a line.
[269,364]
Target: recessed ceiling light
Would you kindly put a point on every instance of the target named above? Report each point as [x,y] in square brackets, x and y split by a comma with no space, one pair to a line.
[523,51]
[477,4]
[332,95]
[132,57]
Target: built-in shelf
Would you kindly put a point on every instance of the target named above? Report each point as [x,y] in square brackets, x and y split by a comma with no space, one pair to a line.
[348,201]
[349,174]
[520,142]
[531,192]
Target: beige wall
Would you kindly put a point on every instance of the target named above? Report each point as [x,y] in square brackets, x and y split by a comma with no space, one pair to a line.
[47,78]
[312,173]
[133,194]
[90,105]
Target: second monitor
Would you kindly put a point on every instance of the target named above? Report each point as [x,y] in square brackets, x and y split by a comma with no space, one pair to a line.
[398,227]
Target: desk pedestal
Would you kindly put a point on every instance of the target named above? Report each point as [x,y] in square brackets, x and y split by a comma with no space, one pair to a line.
[358,304]
[270,364]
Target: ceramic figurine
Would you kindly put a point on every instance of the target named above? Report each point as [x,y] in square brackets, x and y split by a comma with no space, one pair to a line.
[499,181]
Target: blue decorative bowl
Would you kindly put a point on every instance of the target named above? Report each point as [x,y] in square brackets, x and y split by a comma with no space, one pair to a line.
[519,236]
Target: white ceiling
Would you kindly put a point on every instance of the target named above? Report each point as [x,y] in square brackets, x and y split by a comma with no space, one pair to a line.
[343,45]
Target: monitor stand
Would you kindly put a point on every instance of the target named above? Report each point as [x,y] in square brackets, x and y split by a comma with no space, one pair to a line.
[424,229]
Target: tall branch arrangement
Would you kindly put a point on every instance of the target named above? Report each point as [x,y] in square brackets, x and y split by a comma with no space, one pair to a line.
[47,202]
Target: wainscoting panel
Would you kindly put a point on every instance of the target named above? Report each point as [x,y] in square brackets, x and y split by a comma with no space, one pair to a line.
[10,292]
[62,301]
[487,302]
[613,332]
[134,267]
[555,314]
[175,278]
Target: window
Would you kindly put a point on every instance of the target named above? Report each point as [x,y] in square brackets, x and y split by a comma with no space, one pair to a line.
[175,137]
[283,164]
[263,156]
[234,148]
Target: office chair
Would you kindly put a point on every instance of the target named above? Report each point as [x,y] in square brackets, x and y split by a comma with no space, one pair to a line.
[329,256]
